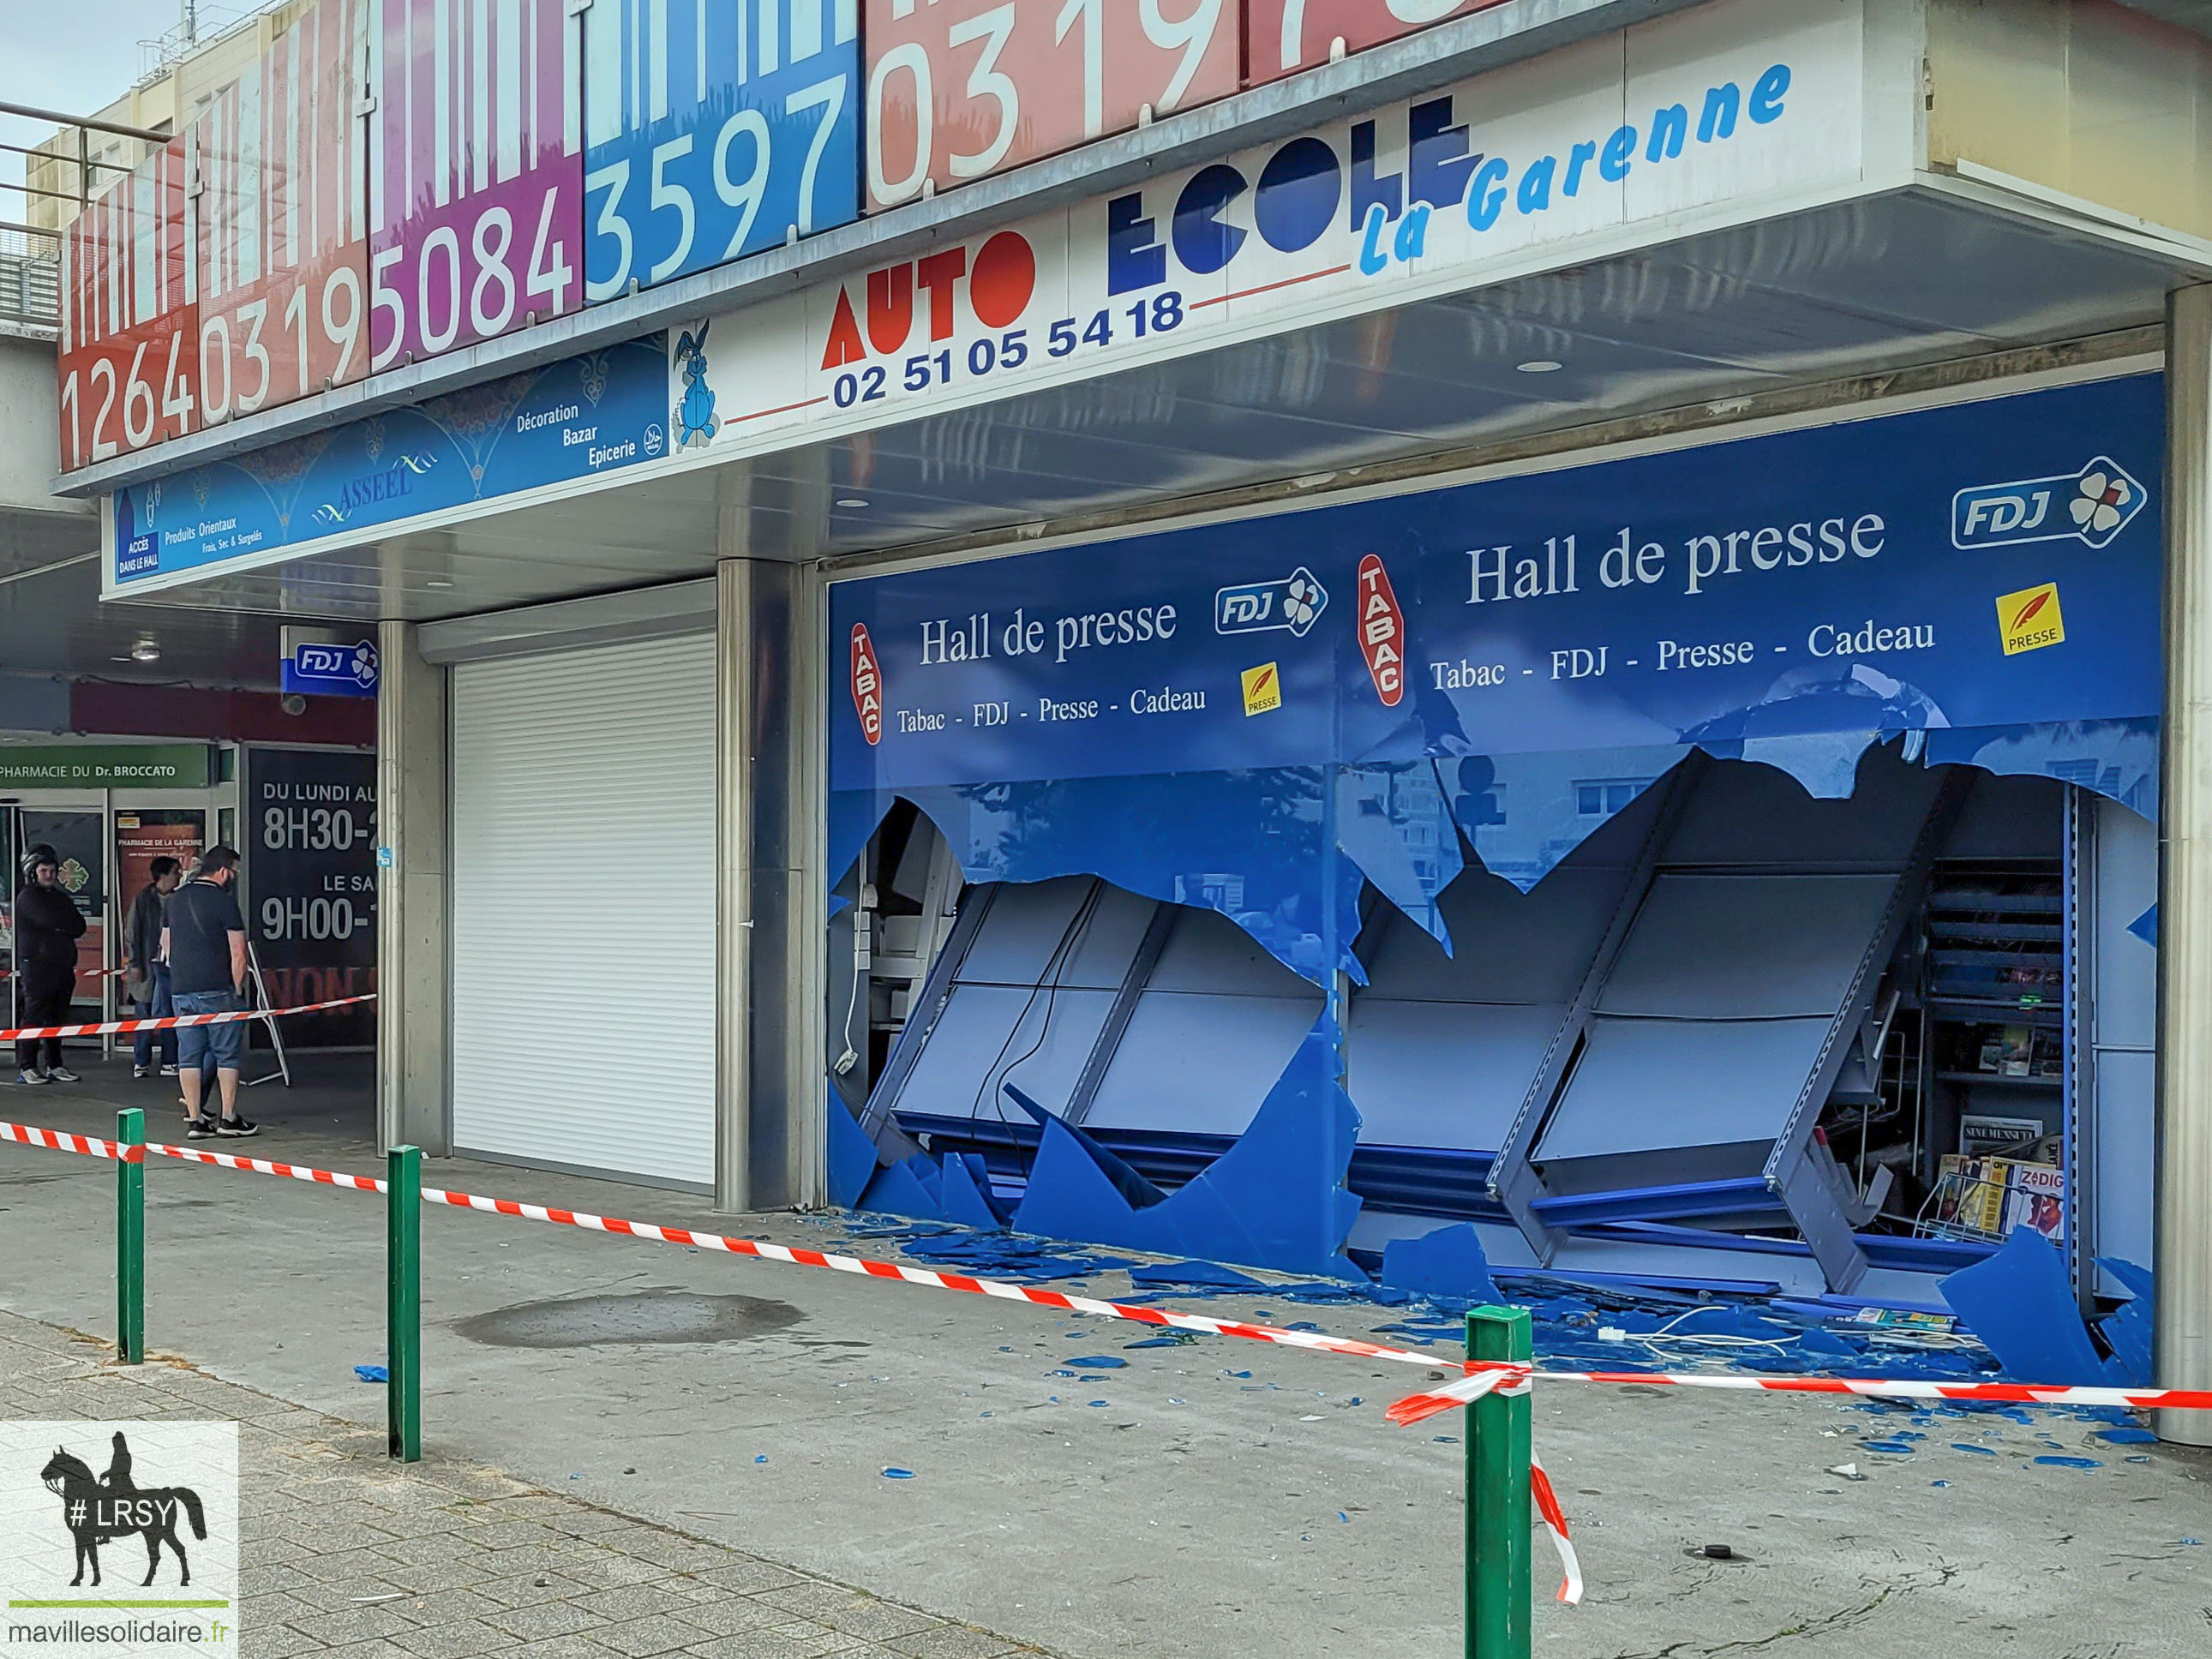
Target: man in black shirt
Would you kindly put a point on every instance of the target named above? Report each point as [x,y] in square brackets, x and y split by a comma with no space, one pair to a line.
[48,925]
[205,941]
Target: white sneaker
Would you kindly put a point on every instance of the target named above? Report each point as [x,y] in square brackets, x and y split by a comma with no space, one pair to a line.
[61,1074]
[33,1077]
[137,1072]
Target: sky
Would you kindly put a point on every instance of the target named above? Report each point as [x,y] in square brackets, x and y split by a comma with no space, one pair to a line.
[77,55]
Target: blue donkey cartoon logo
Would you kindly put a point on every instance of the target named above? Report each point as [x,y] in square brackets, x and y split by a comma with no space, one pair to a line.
[696,422]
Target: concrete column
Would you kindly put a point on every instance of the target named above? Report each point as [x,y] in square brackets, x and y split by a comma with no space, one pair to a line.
[770,956]
[414,1076]
[2184,956]
[734,883]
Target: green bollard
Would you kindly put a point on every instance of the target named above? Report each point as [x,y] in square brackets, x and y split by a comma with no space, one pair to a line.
[403,1244]
[130,1236]
[1499,1582]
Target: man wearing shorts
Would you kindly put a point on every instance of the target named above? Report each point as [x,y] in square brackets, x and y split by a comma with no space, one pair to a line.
[204,942]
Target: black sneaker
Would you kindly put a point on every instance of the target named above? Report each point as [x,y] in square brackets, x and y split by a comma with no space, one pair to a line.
[168,1071]
[237,1127]
[200,1128]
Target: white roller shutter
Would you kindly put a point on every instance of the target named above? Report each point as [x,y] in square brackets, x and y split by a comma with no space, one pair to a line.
[583,908]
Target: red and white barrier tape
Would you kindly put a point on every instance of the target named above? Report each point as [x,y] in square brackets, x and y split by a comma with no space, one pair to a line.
[81,973]
[60,1141]
[172,1022]
[1555,1522]
[1481,1377]
[1547,1504]
[265,1166]
[1414,1408]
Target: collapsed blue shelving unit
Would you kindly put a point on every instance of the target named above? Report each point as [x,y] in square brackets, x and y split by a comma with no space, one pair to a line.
[1732,998]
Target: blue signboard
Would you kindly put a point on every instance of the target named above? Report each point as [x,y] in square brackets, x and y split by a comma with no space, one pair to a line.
[713,129]
[1993,564]
[569,420]
[331,671]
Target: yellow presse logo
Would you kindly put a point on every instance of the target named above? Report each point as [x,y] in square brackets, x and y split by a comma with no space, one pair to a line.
[2031,619]
[1263,689]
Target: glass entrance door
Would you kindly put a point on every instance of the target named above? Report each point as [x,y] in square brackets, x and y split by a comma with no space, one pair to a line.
[78,834]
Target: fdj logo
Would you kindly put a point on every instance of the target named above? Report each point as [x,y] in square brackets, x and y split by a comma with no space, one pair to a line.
[2093,505]
[356,664]
[1293,602]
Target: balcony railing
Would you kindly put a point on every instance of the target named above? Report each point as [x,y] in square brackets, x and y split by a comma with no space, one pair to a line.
[30,254]
[30,278]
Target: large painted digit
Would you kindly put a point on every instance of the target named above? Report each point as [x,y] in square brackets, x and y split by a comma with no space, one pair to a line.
[666,193]
[744,196]
[987,80]
[441,239]
[613,178]
[1093,16]
[829,97]
[907,54]
[1191,35]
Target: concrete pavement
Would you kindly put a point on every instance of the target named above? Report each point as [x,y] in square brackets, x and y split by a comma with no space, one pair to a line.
[1177,1506]
[343,1552]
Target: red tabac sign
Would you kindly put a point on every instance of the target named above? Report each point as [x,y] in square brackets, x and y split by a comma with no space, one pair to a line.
[867,686]
[1382,632]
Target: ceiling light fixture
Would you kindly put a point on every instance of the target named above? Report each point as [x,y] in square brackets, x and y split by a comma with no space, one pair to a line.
[145,651]
[437,582]
[851,501]
[1540,366]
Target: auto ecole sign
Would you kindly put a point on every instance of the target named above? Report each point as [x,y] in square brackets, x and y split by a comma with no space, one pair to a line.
[1512,170]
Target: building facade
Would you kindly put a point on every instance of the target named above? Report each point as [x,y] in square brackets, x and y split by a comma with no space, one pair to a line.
[1248,630]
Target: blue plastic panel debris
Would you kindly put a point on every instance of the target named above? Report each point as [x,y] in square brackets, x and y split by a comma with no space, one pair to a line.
[2127,1330]
[966,1194]
[1275,1199]
[2022,1306]
[1198,1275]
[1447,1262]
[1139,1194]
[852,1155]
[906,1189]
